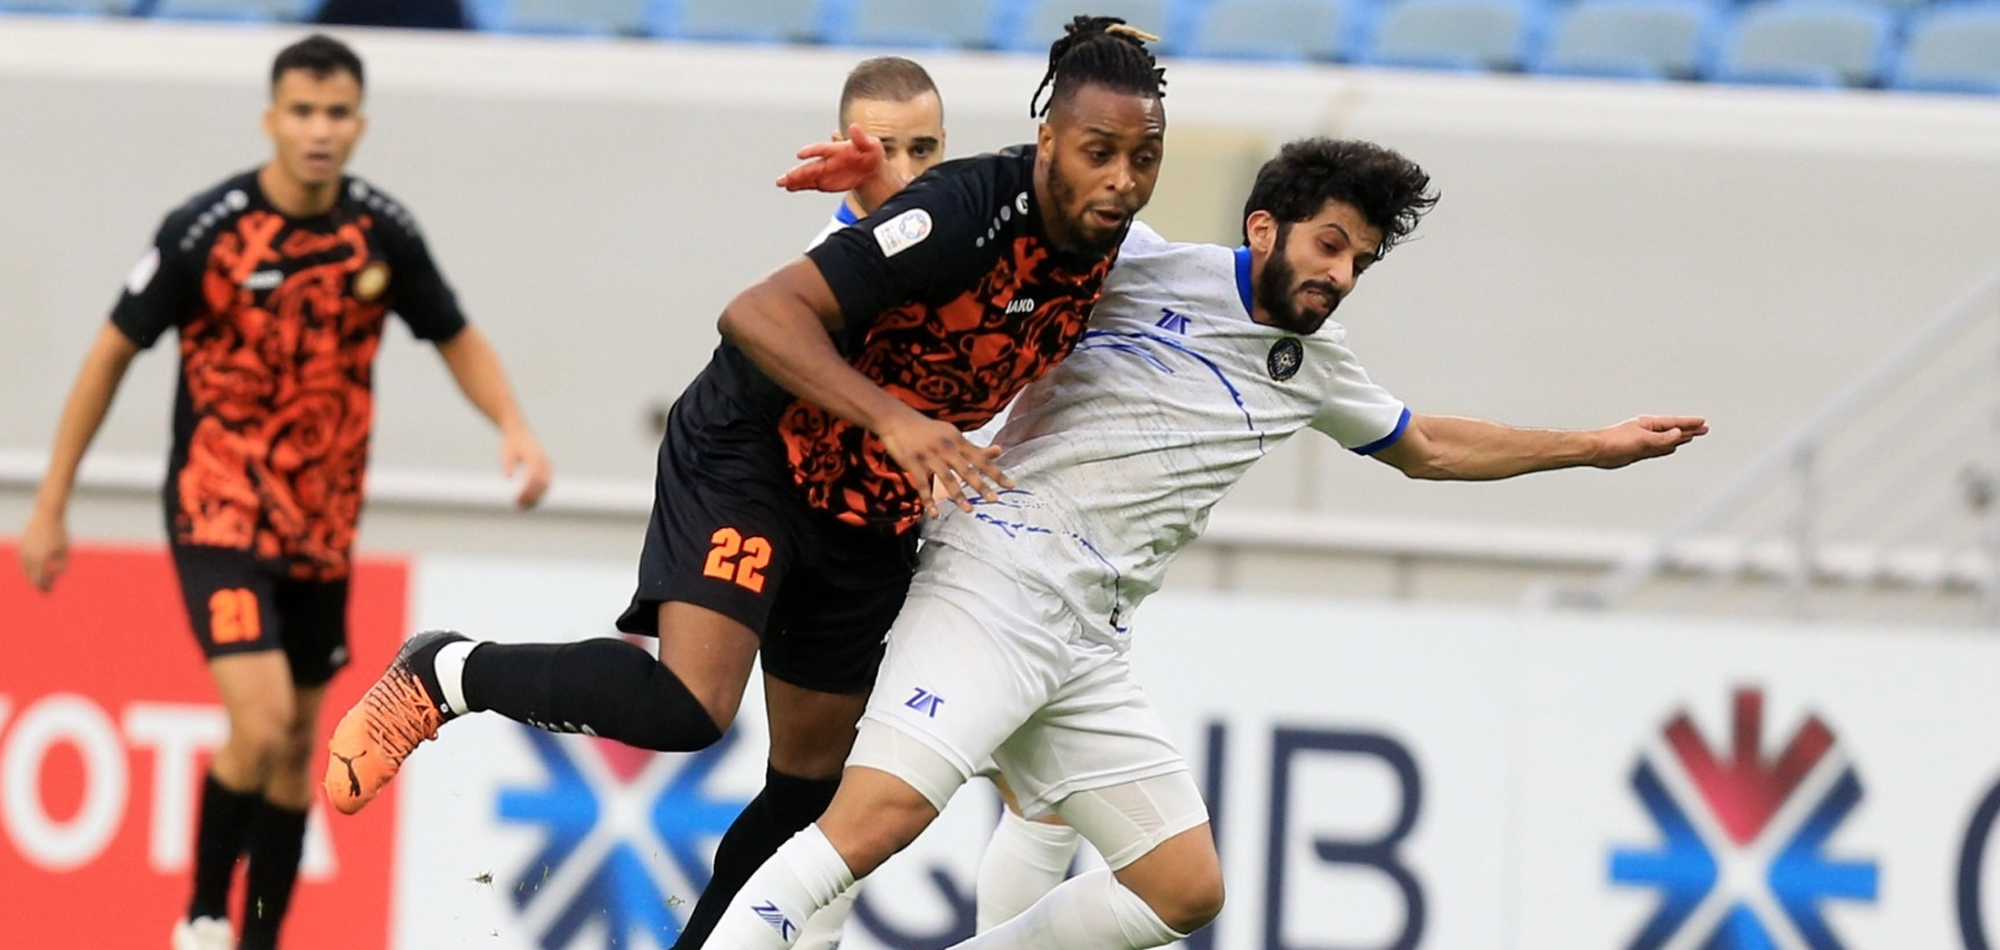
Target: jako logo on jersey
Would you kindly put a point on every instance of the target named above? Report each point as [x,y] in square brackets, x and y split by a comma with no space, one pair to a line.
[1021,305]
[1740,865]
[925,702]
[264,280]
[776,918]
[623,832]
[1171,321]
[902,232]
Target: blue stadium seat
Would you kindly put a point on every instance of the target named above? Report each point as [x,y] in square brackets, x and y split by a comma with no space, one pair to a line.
[1456,34]
[1279,29]
[1952,49]
[67,7]
[1809,43]
[743,21]
[230,11]
[929,24]
[566,17]
[1635,39]
[1040,22]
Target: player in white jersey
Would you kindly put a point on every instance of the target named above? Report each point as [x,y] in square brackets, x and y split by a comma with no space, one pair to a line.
[1198,361]
[895,102]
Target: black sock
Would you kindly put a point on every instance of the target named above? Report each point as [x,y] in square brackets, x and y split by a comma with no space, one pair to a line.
[604,685]
[275,848]
[784,808]
[220,834]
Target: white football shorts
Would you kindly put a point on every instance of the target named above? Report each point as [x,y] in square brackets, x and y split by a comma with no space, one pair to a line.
[980,664]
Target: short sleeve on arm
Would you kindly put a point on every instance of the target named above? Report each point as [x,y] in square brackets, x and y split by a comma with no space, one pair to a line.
[1362,416]
[417,290]
[160,288]
[922,244]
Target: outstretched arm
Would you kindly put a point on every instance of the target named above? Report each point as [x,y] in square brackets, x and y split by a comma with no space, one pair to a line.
[851,164]
[45,540]
[476,368]
[1459,449]
[782,322]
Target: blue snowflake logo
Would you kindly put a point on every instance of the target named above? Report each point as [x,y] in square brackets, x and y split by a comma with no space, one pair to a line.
[616,848]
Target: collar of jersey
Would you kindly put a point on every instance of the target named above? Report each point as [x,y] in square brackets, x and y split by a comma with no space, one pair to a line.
[845,214]
[1243,278]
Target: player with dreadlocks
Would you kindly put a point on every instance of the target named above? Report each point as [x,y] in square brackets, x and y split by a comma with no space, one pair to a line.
[794,470]
[1146,816]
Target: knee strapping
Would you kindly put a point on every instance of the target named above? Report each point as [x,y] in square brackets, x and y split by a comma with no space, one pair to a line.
[906,757]
[1126,821]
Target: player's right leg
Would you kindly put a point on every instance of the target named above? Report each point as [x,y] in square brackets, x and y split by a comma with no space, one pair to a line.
[231,610]
[717,551]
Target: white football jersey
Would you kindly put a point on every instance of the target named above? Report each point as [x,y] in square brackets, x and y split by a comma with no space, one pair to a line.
[1173,392]
[842,217]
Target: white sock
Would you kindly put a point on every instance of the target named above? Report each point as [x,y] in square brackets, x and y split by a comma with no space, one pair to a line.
[824,929]
[1090,912]
[805,875]
[1025,860]
[449,665]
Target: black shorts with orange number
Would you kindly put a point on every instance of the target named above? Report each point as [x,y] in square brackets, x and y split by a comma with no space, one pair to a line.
[238,603]
[730,533]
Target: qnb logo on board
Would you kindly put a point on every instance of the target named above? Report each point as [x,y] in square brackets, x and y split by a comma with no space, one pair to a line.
[623,832]
[1742,863]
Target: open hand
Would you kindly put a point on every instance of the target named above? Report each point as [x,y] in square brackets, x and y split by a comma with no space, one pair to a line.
[44,550]
[838,166]
[1647,437]
[941,464]
[519,452]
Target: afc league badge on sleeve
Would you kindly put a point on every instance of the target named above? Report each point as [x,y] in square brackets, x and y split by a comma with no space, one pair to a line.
[904,231]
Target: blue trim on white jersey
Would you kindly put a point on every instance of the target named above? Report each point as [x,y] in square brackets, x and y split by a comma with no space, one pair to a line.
[1387,440]
[1125,346]
[1243,278]
[846,213]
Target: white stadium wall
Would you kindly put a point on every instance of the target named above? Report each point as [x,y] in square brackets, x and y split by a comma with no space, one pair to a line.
[1602,249]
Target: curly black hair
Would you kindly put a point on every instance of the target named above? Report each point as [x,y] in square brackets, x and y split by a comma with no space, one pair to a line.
[1390,191]
[1100,50]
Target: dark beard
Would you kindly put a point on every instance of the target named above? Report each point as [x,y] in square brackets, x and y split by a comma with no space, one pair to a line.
[1061,194]
[1276,284]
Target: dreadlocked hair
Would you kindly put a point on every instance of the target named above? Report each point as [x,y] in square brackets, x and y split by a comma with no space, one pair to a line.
[1103,50]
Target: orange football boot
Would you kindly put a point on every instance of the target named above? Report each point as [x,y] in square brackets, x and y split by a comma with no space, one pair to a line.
[395,715]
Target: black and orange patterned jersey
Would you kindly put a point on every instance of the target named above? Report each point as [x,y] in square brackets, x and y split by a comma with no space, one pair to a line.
[279,320]
[953,298]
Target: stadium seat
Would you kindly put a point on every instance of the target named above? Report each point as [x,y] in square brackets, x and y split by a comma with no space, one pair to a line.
[237,11]
[1456,34]
[1638,39]
[1809,43]
[914,23]
[67,7]
[1278,29]
[1952,49]
[1040,22]
[567,17]
[743,21]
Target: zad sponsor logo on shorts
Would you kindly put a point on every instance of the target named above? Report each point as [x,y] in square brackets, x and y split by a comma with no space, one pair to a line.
[622,834]
[1743,861]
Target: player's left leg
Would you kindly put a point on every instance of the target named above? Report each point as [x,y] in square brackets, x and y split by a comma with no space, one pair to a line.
[312,623]
[1025,859]
[277,841]
[1164,879]
[811,732]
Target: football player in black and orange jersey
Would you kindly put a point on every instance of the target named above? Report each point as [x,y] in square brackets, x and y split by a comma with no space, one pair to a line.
[278,282]
[787,501]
